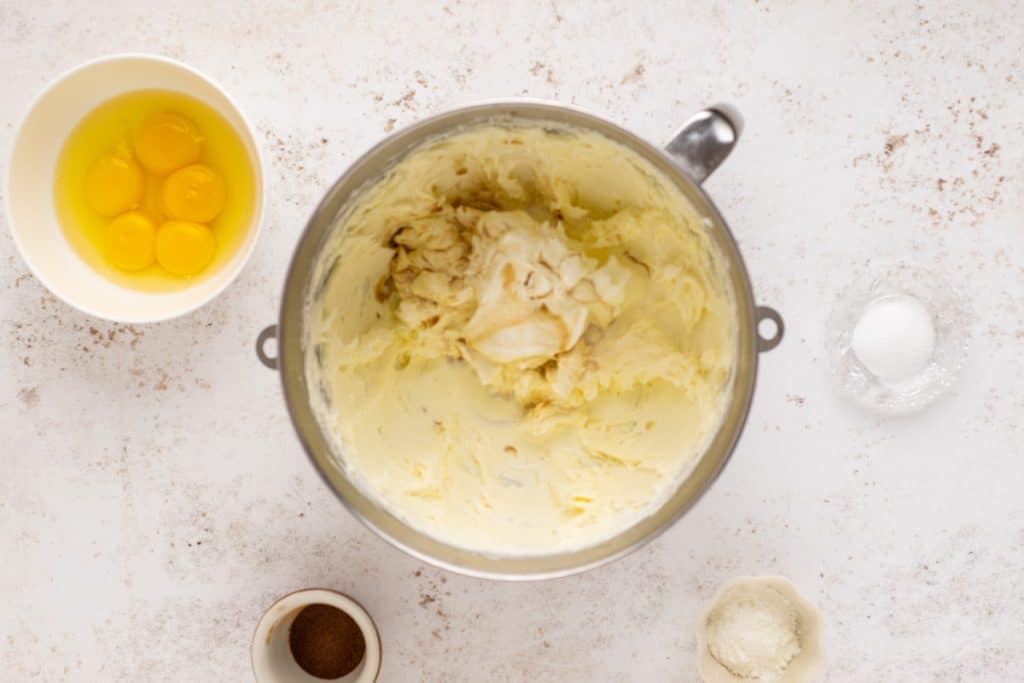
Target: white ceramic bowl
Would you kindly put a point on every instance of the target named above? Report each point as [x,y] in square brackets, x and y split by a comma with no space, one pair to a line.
[272,660]
[29,186]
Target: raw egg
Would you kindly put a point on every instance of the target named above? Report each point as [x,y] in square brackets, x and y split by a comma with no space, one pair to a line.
[131,241]
[155,189]
[194,193]
[166,142]
[184,248]
[113,184]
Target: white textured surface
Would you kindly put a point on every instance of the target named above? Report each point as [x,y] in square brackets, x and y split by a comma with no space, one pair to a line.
[154,500]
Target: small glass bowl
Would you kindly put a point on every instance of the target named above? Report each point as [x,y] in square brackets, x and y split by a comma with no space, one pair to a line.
[951,319]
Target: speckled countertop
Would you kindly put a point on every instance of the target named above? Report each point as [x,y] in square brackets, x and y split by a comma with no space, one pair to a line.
[154,499]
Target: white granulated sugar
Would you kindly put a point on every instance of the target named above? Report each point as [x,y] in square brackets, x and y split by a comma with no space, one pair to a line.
[894,338]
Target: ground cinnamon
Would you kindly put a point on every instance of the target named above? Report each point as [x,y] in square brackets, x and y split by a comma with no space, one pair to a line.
[326,642]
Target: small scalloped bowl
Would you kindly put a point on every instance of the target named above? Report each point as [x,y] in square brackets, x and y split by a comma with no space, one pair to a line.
[272,660]
[804,668]
[29,187]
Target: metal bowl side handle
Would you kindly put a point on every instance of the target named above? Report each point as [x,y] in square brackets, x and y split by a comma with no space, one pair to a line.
[268,333]
[703,143]
[699,147]
[762,313]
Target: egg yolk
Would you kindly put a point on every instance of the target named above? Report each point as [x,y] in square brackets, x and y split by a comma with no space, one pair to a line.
[131,240]
[114,184]
[184,248]
[194,193]
[166,142]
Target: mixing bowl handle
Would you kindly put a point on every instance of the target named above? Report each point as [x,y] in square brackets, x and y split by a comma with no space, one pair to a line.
[762,313]
[704,141]
[268,333]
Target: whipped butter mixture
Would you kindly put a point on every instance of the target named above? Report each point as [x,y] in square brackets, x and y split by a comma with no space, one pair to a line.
[523,339]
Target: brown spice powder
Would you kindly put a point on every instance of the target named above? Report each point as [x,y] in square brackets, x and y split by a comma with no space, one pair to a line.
[326,642]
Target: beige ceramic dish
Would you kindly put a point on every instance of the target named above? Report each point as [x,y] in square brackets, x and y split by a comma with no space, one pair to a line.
[272,660]
[804,668]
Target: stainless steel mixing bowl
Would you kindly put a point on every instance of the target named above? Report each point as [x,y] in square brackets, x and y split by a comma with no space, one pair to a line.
[692,154]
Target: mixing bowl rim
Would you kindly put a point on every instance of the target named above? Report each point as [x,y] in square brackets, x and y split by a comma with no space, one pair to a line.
[497,109]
